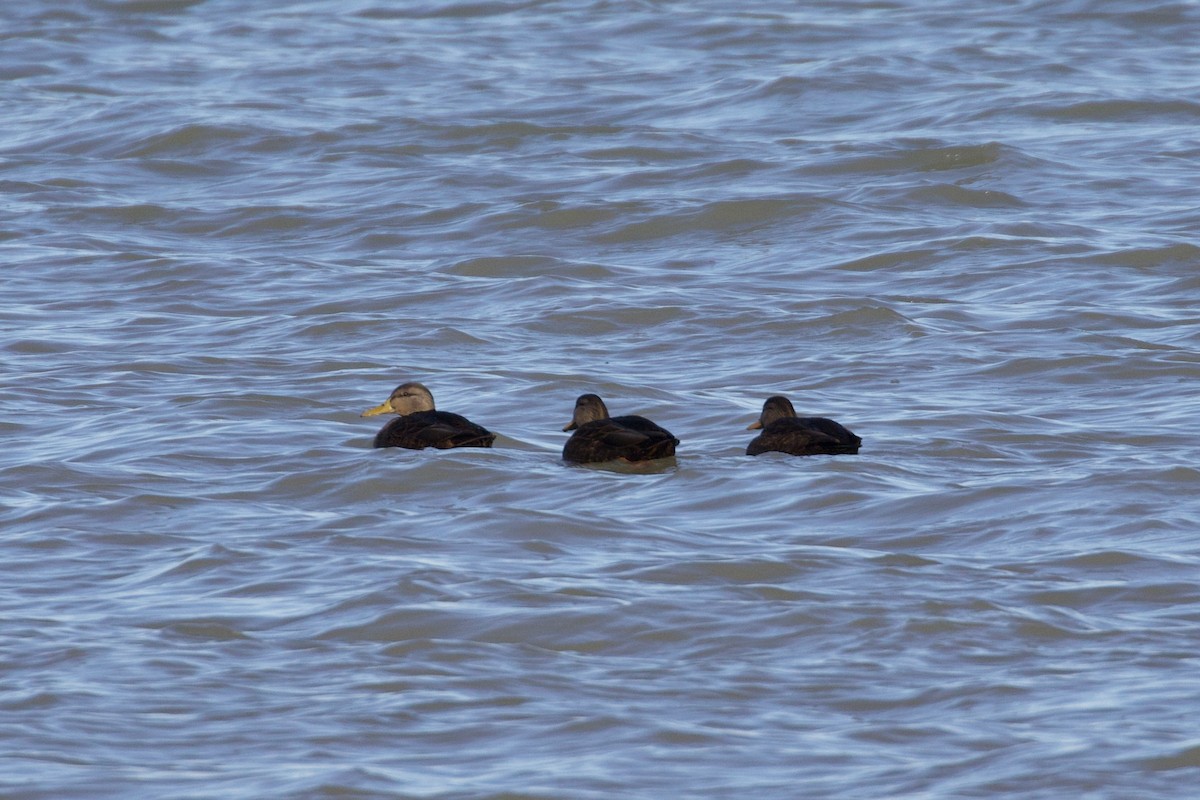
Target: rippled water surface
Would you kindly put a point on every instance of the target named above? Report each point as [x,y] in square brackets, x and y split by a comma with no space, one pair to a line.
[966,229]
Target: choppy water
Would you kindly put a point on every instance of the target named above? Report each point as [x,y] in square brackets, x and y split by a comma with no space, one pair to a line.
[964,229]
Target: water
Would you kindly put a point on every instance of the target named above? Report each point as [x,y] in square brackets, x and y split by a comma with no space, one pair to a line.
[963,229]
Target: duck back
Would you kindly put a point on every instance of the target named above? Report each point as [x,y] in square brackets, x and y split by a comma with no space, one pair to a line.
[630,438]
[440,429]
[805,436]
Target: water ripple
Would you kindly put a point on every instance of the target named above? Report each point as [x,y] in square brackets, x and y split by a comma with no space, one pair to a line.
[964,232]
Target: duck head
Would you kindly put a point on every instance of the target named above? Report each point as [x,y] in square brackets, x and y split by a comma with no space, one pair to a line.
[588,408]
[407,398]
[777,407]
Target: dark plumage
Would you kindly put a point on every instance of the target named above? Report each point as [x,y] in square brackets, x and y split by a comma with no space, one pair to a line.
[599,437]
[784,432]
[420,426]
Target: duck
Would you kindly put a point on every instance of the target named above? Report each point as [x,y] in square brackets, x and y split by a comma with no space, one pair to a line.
[420,425]
[599,437]
[784,432]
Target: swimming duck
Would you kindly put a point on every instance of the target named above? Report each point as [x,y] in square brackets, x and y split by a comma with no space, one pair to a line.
[784,432]
[599,437]
[420,426]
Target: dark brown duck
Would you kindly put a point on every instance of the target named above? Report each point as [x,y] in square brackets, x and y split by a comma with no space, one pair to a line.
[420,425]
[784,432]
[599,437]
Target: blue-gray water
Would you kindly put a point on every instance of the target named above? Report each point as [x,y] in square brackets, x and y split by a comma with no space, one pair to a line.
[965,229]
